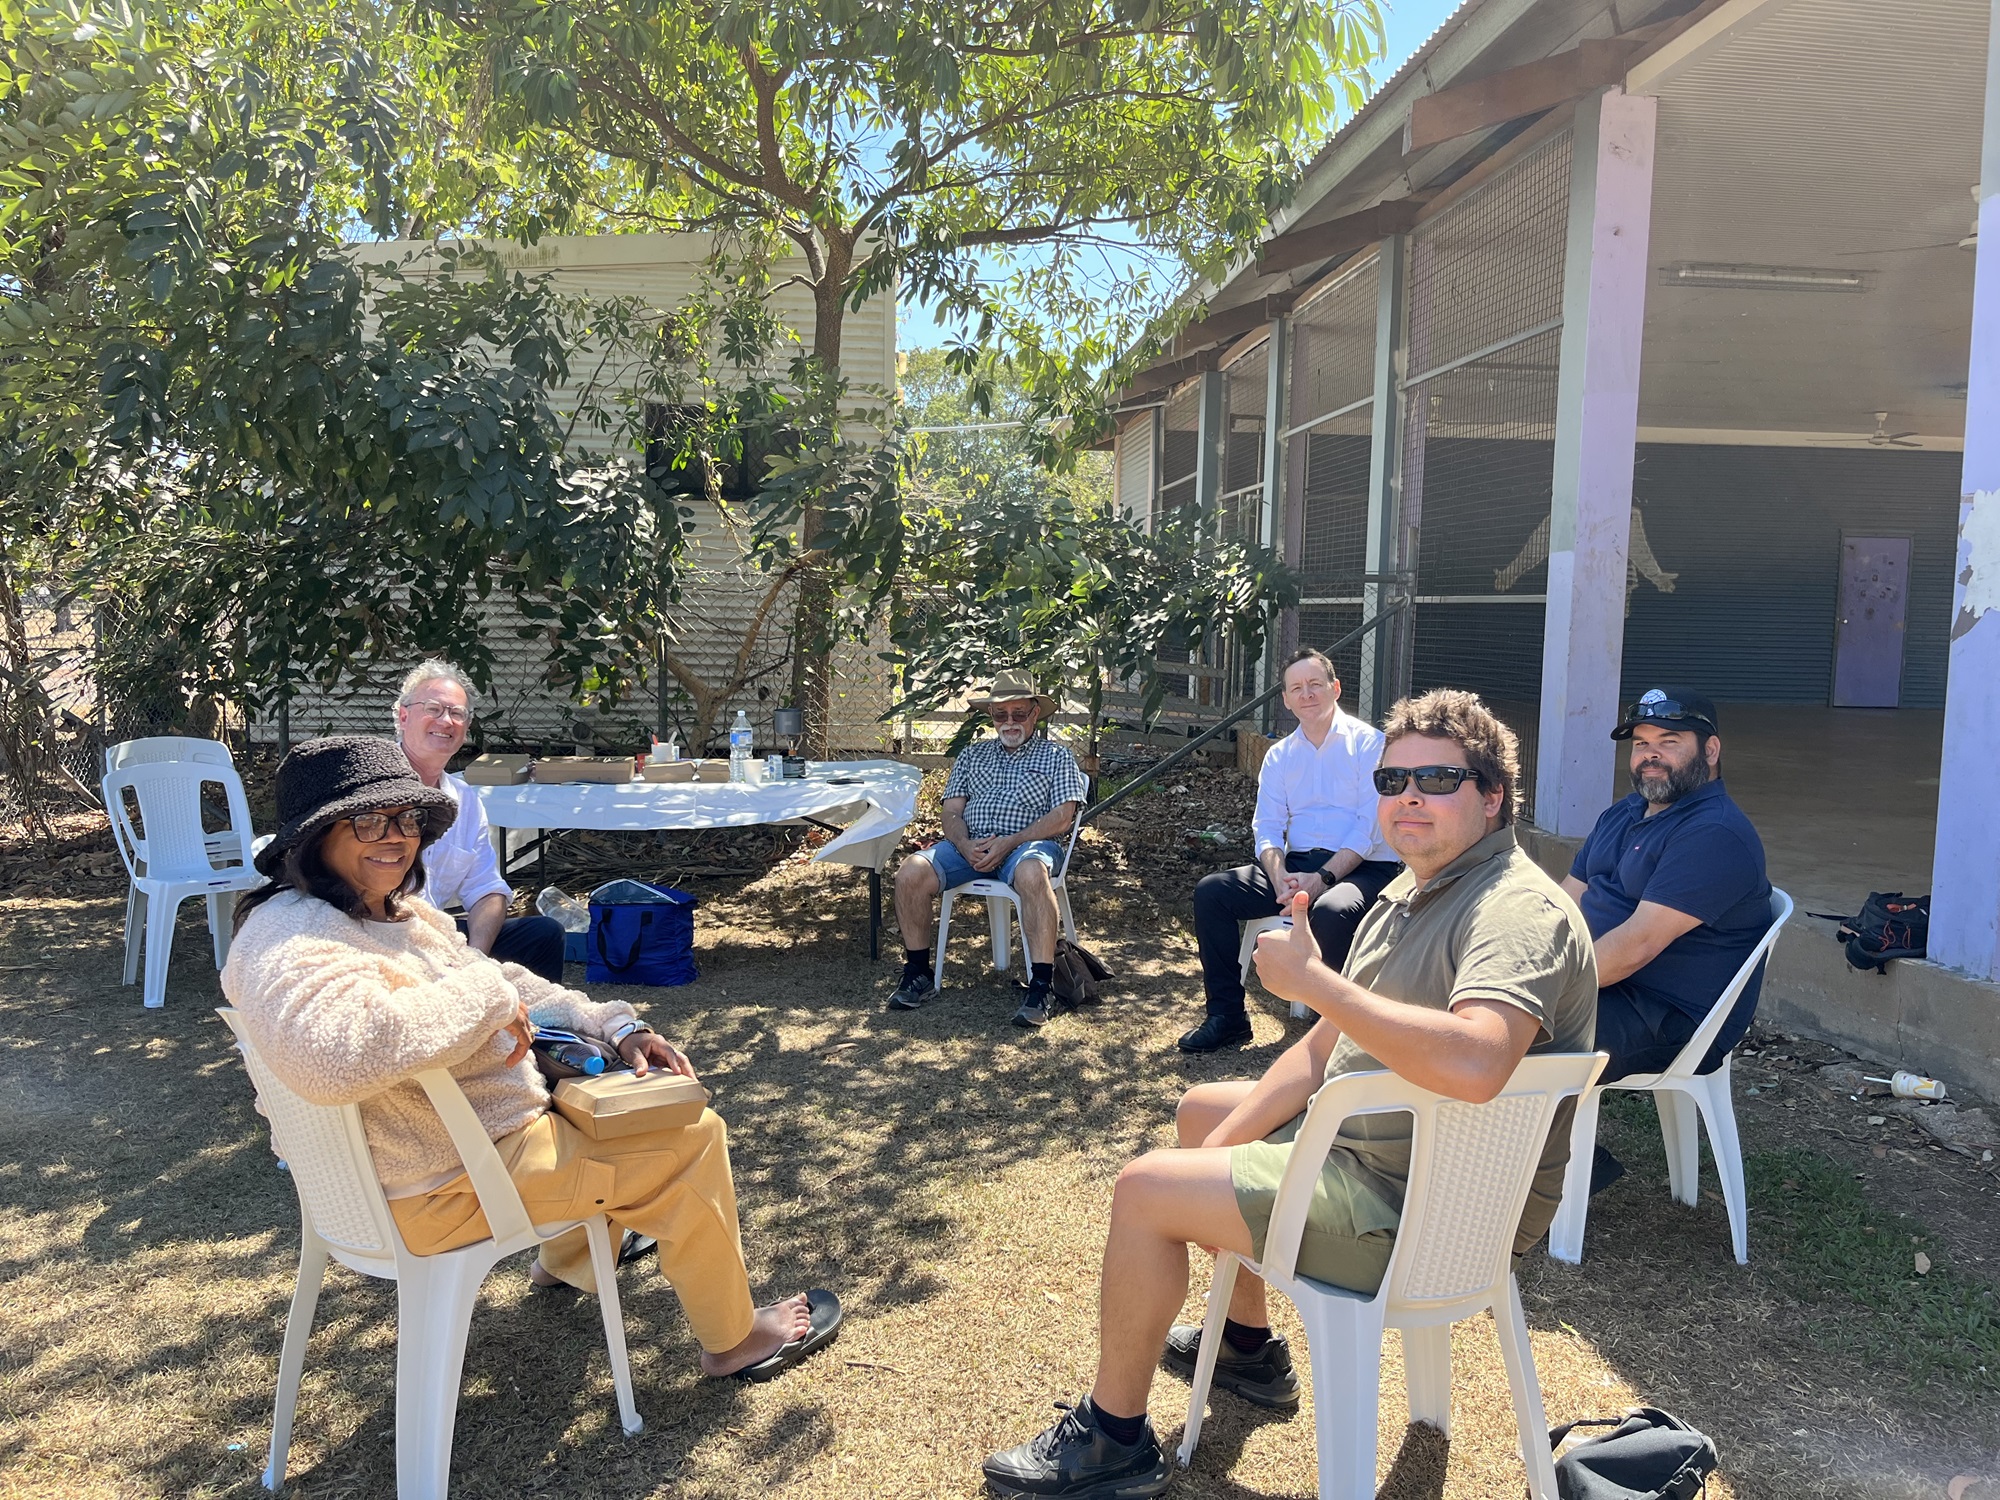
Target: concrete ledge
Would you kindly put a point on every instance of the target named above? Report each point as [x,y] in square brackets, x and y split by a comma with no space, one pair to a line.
[1921,1016]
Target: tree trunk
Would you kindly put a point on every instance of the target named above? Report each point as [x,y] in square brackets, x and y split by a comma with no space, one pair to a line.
[812,613]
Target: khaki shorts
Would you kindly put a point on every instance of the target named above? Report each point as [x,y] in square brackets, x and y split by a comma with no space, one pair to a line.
[1350,1228]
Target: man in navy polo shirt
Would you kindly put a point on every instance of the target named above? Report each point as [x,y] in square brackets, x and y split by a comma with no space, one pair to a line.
[1671,882]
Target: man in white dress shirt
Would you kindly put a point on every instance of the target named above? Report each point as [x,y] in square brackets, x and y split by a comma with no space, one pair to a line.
[1315,831]
[433,711]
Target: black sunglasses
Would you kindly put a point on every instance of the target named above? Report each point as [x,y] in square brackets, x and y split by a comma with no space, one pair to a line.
[1432,781]
[1665,708]
[371,827]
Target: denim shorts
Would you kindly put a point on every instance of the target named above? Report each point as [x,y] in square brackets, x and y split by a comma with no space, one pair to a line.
[953,871]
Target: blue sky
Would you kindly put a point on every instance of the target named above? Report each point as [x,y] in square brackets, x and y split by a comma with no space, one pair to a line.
[1406,24]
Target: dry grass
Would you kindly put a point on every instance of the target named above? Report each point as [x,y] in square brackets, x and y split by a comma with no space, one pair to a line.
[949,1175]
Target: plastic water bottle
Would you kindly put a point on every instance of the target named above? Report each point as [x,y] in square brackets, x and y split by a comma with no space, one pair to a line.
[740,736]
[578,1056]
[571,913]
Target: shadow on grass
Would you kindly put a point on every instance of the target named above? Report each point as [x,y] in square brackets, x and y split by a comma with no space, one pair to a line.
[133,1146]
[1744,1352]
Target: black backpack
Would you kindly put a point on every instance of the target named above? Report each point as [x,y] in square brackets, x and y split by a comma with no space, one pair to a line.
[1891,925]
[1649,1455]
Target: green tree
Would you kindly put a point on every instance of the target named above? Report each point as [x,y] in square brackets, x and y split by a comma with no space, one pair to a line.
[903,144]
[1011,564]
[282,456]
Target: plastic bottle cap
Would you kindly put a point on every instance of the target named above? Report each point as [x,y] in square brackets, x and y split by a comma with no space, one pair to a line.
[592,1066]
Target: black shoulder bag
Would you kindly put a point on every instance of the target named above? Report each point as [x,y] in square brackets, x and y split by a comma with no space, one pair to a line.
[1649,1455]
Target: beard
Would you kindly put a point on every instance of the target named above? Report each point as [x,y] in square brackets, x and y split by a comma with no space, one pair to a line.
[1678,782]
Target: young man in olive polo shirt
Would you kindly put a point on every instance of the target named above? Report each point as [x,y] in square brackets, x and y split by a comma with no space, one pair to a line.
[1471,959]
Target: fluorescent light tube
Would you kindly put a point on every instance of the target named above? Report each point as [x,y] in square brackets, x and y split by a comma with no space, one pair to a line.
[1768,278]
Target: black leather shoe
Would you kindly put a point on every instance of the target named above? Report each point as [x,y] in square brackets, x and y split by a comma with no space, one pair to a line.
[1077,1460]
[1265,1378]
[1217,1032]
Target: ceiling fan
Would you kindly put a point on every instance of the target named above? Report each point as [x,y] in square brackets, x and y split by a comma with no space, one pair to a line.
[1881,437]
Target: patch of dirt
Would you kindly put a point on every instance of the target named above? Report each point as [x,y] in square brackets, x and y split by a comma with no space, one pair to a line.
[949,1175]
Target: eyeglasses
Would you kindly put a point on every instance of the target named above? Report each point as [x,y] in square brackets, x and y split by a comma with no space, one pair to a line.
[1012,715]
[372,827]
[1432,781]
[451,713]
[1665,708]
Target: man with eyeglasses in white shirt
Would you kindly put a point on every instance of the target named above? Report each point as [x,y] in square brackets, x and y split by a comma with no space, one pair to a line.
[433,711]
[1316,834]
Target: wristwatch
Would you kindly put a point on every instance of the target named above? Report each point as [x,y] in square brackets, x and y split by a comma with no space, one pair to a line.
[627,1028]
[1326,874]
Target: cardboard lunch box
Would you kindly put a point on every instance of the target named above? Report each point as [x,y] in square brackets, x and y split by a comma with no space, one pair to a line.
[622,1103]
[667,770]
[615,769]
[498,770]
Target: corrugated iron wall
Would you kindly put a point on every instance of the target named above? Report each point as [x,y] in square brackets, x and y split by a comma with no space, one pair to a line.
[1749,539]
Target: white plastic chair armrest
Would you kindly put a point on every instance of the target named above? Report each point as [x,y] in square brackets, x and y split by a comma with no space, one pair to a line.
[1692,1055]
[1372,1093]
[499,1199]
[122,834]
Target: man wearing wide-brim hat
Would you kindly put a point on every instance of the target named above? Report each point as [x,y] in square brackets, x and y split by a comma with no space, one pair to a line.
[1008,803]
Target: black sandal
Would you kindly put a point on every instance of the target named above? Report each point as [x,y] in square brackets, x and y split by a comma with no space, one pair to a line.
[826,1315]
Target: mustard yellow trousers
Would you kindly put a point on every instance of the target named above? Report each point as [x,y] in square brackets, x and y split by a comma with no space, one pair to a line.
[671,1184]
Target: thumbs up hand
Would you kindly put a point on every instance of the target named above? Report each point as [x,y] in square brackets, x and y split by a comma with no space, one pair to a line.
[1285,957]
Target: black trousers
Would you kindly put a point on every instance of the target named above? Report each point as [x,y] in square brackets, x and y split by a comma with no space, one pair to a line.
[1228,897]
[1644,1034]
[535,943]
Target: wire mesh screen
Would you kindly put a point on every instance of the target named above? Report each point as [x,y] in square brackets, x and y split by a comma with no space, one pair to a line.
[1245,392]
[1333,346]
[1331,412]
[1479,415]
[1178,448]
[1490,266]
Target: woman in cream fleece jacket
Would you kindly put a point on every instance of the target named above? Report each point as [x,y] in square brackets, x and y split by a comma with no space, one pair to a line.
[350,986]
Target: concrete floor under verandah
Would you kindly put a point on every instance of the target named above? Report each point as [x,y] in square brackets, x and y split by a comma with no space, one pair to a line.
[1846,802]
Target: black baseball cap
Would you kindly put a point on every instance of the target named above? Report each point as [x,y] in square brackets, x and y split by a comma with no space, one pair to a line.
[1670,708]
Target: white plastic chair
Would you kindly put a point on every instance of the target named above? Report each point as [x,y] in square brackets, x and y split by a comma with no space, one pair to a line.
[344,1216]
[1003,903]
[1471,1166]
[1247,955]
[223,847]
[1706,1093]
[167,856]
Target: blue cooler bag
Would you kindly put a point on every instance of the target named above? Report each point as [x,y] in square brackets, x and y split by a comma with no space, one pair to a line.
[640,934]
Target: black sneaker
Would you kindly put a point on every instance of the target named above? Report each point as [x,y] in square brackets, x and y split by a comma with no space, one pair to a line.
[913,991]
[1077,1460]
[1265,1378]
[1217,1032]
[1038,1007]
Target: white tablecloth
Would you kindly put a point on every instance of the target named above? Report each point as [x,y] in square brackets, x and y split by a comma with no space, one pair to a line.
[874,799]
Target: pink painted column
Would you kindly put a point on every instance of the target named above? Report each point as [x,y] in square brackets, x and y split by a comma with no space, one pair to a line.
[1965,881]
[1597,425]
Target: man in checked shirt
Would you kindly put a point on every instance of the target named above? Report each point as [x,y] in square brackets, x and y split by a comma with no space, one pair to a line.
[1009,803]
